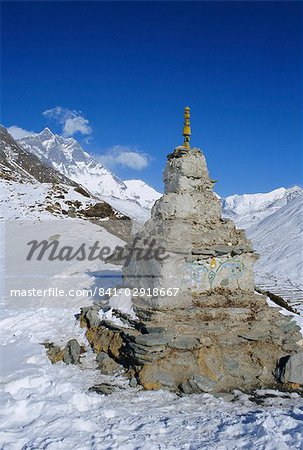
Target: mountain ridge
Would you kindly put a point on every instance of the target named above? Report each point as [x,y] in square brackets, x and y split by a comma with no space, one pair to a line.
[20,165]
[247,210]
[278,240]
[67,156]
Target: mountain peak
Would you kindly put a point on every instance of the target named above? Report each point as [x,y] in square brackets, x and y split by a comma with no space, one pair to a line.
[46,133]
[248,209]
[68,157]
[295,188]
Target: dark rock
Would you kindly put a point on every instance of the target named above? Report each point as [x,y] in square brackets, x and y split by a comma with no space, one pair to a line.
[204,251]
[100,210]
[72,351]
[157,330]
[152,340]
[197,384]
[107,365]
[104,388]
[82,191]
[184,342]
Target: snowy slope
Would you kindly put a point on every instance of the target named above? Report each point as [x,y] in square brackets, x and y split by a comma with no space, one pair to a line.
[42,201]
[142,192]
[50,406]
[273,221]
[67,156]
[279,240]
[248,209]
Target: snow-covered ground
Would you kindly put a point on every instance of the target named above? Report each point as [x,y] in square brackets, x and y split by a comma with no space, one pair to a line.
[48,406]
[142,192]
[29,200]
[45,406]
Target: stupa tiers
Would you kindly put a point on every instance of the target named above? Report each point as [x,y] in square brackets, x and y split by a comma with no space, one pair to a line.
[216,334]
[205,252]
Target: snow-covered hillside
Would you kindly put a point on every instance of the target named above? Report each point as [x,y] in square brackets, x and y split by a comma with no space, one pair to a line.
[42,201]
[50,406]
[142,192]
[279,240]
[273,221]
[68,157]
[248,209]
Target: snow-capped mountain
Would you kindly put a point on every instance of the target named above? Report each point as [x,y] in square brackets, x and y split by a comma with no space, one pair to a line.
[249,209]
[273,221]
[32,189]
[279,240]
[142,192]
[17,164]
[68,157]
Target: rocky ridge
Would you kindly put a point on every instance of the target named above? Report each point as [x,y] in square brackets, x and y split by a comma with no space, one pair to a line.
[17,164]
[31,188]
[68,157]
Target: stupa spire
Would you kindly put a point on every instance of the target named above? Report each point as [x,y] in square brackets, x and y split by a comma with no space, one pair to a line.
[186,128]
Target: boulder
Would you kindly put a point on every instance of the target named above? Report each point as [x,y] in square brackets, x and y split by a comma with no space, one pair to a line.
[106,364]
[72,352]
[293,371]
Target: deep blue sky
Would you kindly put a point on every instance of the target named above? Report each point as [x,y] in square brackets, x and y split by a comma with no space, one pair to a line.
[131,67]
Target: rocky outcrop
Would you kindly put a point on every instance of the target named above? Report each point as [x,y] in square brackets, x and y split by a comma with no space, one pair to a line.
[215,334]
[98,212]
[70,354]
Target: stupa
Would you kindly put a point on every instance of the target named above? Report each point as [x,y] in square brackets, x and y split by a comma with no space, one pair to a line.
[204,252]
[201,327]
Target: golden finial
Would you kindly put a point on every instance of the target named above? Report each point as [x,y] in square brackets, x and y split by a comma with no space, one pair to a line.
[186,128]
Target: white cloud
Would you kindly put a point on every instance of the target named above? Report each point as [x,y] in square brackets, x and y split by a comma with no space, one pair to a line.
[132,160]
[124,156]
[18,132]
[72,121]
[75,124]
